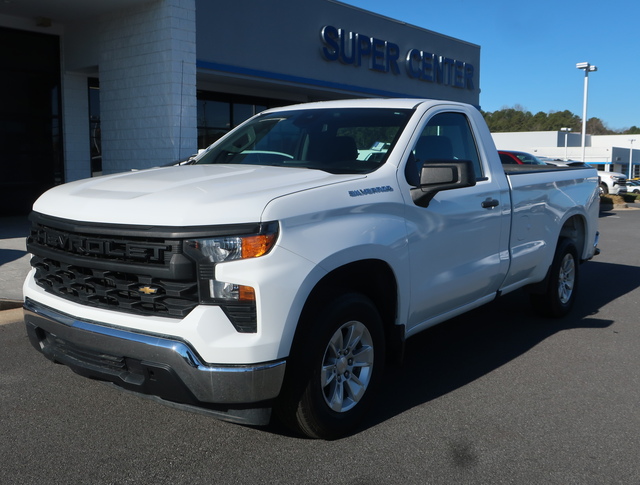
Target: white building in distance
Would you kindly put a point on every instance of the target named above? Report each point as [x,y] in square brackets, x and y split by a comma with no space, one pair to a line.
[612,153]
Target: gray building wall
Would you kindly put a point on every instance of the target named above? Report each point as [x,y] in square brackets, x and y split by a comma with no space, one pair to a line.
[76,148]
[281,45]
[148,85]
[151,57]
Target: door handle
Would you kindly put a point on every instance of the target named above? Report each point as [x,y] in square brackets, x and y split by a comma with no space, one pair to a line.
[490,203]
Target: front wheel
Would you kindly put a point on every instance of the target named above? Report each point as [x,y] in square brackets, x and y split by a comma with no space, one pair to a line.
[604,189]
[560,293]
[334,369]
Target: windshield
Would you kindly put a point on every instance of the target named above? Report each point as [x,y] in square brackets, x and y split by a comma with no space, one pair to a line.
[339,140]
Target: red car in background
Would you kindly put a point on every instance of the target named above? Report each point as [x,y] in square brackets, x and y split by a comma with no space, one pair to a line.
[509,157]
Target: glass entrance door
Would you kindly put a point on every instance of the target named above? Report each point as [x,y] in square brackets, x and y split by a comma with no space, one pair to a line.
[30,118]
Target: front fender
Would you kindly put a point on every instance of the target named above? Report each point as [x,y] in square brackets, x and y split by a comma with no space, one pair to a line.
[329,228]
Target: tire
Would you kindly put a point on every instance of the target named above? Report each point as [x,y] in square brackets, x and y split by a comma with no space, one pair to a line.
[604,189]
[562,282]
[334,368]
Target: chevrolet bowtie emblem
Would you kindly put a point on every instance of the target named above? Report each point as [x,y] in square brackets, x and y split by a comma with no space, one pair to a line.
[147,290]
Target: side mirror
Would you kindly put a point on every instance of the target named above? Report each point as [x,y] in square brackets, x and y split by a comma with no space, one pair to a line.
[437,175]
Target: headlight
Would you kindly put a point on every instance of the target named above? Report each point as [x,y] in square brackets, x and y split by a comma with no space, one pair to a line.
[221,249]
[237,301]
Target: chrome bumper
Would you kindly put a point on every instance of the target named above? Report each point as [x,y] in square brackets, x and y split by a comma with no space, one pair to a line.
[149,364]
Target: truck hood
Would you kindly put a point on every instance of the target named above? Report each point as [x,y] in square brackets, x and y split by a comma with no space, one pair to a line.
[602,173]
[192,195]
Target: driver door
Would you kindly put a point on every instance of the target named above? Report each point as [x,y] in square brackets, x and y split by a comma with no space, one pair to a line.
[455,242]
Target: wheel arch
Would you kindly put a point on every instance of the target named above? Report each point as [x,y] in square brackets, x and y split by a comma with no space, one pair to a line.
[575,228]
[376,280]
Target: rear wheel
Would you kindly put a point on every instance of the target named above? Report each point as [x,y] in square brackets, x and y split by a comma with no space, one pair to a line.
[335,368]
[560,293]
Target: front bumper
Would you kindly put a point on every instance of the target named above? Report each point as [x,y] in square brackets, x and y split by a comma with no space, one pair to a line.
[154,365]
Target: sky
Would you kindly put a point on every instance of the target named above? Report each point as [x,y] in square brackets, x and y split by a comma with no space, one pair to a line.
[529,51]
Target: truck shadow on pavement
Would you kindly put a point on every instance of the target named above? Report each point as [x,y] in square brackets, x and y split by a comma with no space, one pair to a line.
[9,255]
[456,353]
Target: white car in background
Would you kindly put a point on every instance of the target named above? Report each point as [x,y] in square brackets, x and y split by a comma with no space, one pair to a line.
[613,183]
[633,186]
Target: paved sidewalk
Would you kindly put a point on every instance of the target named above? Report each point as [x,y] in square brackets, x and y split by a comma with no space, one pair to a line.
[14,260]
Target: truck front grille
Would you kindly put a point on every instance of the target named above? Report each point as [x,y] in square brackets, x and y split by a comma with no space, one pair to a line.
[127,268]
[116,290]
[124,269]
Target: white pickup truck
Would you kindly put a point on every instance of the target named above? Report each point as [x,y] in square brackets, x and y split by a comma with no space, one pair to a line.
[293,258]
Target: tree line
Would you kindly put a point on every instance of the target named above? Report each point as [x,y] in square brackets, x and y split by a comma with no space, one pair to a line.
[518,119]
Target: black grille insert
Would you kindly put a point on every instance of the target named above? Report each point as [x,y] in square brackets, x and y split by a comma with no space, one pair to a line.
[144,275]
[116,290]
[128,268]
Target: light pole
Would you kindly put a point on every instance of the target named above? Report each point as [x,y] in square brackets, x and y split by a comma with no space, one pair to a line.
[587,69]
[566,135]
[631,140]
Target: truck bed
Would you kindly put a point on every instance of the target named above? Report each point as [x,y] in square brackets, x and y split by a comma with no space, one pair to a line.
[520,169]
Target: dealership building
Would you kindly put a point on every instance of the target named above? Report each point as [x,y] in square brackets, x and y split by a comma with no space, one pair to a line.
[104,86]
[611,153]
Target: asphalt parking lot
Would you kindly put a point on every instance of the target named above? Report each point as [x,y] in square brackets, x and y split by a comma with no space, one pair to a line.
[495,396]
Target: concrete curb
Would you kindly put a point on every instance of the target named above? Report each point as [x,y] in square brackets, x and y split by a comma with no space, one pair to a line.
[610,207]
[9,304]
[11,316]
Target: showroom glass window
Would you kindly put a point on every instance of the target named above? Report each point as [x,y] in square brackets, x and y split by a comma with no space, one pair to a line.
[218,113]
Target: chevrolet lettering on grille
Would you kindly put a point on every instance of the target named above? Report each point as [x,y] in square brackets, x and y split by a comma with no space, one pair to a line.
[87,246]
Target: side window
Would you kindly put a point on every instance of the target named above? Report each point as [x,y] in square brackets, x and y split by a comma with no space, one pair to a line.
[447,136]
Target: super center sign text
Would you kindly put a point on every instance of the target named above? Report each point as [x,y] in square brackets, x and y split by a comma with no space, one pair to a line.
[352,48]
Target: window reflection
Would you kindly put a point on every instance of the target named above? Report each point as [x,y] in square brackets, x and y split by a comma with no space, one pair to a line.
[218,114]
